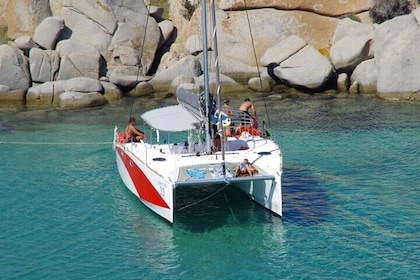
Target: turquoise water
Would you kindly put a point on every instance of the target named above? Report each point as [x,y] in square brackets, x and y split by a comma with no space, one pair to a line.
[351,201]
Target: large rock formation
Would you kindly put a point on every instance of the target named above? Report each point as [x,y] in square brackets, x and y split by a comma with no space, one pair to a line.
[397,56]
[305,69]
[351,44]
[47,33]
[126,46]
[23,17]
[44,65]
[14,70]
[365,77]
[322,7]
[105,40]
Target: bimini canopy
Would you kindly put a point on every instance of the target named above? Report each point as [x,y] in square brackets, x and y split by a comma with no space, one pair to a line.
[172,118]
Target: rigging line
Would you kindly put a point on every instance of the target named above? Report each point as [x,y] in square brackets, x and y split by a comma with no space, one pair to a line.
[131,108]
[205,73]
[230,208]
[204,199]
[256,61]
[55,143]
[141,53]
[217,70]
[144,39]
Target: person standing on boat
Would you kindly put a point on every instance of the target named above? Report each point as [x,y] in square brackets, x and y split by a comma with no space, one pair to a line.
[132,134]
[246,117]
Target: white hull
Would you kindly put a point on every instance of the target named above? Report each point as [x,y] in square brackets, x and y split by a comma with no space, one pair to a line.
[152,172]
[155,192]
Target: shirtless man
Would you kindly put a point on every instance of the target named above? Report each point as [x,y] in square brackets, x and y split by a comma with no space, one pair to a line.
[245,115]
[132,134]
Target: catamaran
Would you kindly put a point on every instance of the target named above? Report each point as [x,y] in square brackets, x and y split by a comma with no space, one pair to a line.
[153,171]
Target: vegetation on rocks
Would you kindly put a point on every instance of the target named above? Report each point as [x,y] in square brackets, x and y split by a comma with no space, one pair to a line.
[325,51]
[3,34]
[351,16]
[189,9]
[163,4]
[383,10]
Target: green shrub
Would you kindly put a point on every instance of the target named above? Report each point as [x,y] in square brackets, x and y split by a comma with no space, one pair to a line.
[3,34]
[352,16]
[189,9]
[163,4]
[384,10]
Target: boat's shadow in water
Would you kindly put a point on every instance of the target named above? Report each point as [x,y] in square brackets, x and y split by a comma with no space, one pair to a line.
[305,203]
[205,208]
[305,200]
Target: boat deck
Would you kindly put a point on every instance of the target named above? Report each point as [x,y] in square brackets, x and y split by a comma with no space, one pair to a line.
[190,165]
[212,173]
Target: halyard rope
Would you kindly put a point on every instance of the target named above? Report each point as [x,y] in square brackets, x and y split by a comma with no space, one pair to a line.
[256,62]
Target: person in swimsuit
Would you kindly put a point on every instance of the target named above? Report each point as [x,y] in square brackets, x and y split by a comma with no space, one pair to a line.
[132,134]
[246,117]
[244,169]
[228,111]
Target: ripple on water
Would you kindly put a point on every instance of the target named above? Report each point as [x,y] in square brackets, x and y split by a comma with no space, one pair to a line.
[350,193]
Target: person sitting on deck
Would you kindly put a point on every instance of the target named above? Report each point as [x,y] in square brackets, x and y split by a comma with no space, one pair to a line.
[245,169]
[132,134]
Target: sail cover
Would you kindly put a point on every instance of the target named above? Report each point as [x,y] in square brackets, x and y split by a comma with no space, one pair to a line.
[172,118]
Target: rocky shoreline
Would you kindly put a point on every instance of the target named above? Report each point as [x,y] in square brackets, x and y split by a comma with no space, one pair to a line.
[87,53]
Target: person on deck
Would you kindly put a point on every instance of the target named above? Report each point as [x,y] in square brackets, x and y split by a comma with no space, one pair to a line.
[216,139]
[246,117]
[245,169]
[132,134]
[228,111]
[226,107]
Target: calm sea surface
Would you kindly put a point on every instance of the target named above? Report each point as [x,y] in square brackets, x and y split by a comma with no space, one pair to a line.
[351,200]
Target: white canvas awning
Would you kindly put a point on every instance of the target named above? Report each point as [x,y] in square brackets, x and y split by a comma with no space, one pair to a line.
[172,118]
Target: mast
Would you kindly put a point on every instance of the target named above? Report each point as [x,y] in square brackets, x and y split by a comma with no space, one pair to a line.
[206,71]
[217,70]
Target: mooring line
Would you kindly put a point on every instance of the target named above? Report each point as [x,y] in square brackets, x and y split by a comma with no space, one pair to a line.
[201,200]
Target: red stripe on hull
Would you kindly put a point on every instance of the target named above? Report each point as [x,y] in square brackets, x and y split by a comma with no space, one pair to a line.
[143,186]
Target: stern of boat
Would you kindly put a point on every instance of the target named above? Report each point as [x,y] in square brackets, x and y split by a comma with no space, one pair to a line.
[264,187]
